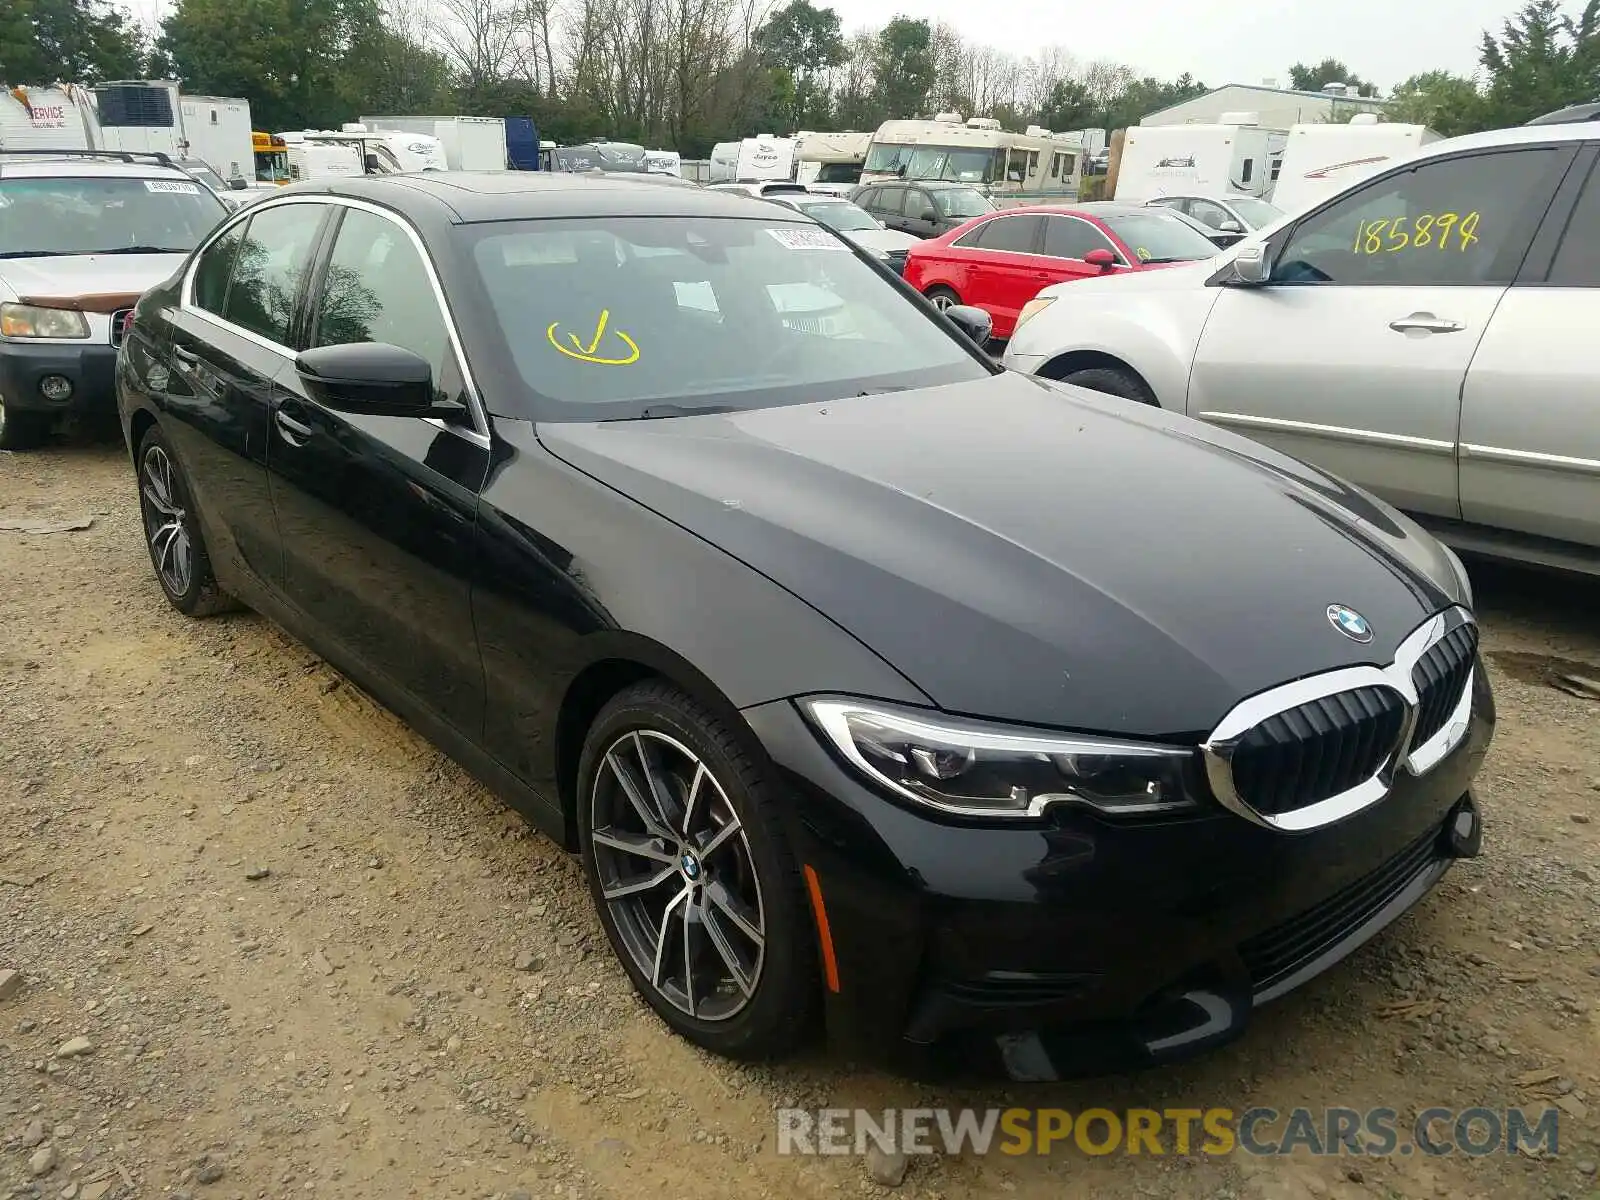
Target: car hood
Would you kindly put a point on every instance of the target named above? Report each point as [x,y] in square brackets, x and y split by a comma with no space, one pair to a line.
[886,240]
[79,275]
[1027,551]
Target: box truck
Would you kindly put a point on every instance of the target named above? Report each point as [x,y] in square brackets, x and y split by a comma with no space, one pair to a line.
[469,143]
[218,131]
[59,117]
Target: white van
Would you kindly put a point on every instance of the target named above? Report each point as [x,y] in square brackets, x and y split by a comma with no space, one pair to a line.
[1320,160]
[1230,158]
[311,158]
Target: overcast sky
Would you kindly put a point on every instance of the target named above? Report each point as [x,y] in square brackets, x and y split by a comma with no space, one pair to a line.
[1381,40]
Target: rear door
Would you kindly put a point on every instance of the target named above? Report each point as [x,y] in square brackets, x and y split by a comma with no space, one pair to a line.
[377,513]
[1530,412]
[229,350]
[1354,356]
[1009,271]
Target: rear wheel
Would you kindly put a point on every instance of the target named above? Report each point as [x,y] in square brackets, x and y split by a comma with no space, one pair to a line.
[172,533]
[21,430]
[942,297]
[1114,381]
[692,875]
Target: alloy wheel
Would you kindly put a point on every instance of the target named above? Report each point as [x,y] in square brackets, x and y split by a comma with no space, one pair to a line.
[166,522]
[942,300]
[675,871]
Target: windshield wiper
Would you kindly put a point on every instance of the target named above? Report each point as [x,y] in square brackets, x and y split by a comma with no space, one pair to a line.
[39,253]
[140,250]
[656,412]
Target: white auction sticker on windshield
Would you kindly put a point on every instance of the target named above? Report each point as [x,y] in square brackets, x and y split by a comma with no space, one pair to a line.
[806,239]
[172,187]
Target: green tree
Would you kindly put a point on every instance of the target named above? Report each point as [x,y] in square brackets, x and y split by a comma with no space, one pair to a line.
[1449,104]
[80,41]
[805,42]
[292,59]
[1543,60]
[1138,98]
[904,66]
[1329,70]
[387,72]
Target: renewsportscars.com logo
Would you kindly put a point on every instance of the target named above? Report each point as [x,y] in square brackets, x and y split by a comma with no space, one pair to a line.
[1373,1132]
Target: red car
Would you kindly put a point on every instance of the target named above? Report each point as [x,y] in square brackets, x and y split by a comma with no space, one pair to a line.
[1000,260]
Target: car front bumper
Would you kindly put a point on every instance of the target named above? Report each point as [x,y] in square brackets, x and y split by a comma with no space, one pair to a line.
[1085,946]
[89,367]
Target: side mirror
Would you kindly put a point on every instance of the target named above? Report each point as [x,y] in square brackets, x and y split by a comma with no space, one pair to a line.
[929,214]
[372,378]
[976,324]
[1252,266]
[237,183]
[1101,257]
[1231,226]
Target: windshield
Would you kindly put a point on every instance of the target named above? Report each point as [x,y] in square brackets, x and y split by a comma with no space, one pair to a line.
[205,175]
[1258,213]
[611,319]
[1160,237]
[839,173]
[961,202]
[932,162]
[839,214]
[104,215]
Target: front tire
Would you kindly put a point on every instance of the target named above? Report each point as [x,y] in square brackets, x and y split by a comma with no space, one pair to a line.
[692,875]
[1113,381]
[21,430]
[172,533]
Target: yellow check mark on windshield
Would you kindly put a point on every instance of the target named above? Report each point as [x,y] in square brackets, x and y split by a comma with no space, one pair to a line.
[600,332]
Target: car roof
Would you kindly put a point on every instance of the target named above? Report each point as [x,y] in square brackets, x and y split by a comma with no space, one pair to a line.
[1517,135]
[69,166]
[1089,208]
[523,195]
[936,184]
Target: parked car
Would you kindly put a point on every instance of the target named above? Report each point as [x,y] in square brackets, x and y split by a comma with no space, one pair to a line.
[1226,214]
[1423,333]
[82,234]
[762,187]
[998,262]
[782,625]
[853,224]
[1222,239]
[925,208]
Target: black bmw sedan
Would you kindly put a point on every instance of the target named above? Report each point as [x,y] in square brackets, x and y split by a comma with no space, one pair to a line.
[987,721]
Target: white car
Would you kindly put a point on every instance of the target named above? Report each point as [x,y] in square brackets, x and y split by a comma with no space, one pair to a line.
[83,234]
[853,224]
[1225,214]
[1428,333]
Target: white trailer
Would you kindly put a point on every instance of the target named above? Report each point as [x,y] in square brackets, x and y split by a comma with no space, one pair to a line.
[1232,158]
[663,162]
[765,158]
[218,129]
[830,162]
[1319,160]
[313,157]
[724,163]
[469,143]
[60,117]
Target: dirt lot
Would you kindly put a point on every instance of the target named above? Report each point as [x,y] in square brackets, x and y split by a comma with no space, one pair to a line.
[292,936]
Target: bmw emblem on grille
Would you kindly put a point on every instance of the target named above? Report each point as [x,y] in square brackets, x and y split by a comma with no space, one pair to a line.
[1349,622]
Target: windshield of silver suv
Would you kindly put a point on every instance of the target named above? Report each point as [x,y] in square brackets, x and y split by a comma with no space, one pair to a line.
[638,317]
[49,217]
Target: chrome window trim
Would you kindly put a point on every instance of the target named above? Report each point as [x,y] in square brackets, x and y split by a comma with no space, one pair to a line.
[1506,456]
[1217,750]
[1341,433]
[479,433]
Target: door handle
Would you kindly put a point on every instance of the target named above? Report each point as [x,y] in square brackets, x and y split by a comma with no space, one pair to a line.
[292,431]
[1424,322]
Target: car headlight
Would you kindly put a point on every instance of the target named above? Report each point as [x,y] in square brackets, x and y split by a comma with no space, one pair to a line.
[1032,309]
[27,321]
[977,769]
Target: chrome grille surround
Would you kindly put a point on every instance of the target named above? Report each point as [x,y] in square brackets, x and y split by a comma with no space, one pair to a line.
[1418,759]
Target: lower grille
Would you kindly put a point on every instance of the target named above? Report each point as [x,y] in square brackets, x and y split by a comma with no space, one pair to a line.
[1317,750]
[1275,955]
[1439,677]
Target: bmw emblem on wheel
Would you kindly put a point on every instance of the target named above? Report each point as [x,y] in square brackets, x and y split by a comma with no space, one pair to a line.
[1349,622]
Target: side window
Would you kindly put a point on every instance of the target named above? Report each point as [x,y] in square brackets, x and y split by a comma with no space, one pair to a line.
[919,205]
[891,199]
[1016,234]
[215,268]
[1068,237]
[1577,262]
[1463,220]
[1211,214]
[868,200]
[1247,170]
[1055,165]
[377,290]
[1033,163]
[272,262]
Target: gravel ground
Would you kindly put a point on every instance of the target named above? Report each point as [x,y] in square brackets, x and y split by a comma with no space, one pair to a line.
[272,944]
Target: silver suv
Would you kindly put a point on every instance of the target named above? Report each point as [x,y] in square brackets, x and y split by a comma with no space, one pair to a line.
[1429,333]
[82,235]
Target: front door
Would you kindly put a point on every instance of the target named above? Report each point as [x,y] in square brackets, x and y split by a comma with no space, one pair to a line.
[1354,355]
[230,345]
[377,514]
[1067,240]
[890,207]
[921,216]
[1530,414]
